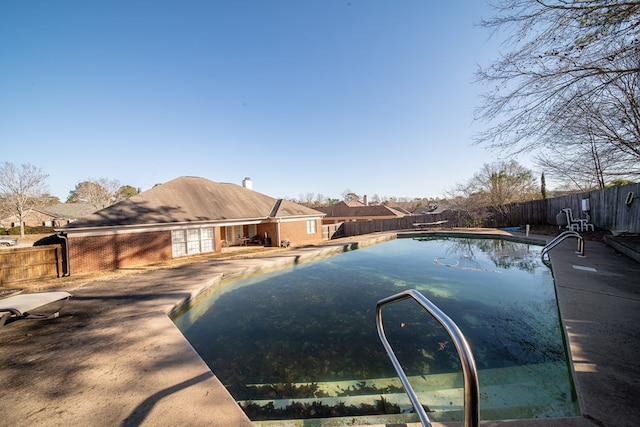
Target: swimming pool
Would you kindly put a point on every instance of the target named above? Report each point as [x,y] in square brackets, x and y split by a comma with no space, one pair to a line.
[301,342]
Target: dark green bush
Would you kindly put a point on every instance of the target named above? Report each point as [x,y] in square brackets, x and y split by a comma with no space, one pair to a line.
[15,231]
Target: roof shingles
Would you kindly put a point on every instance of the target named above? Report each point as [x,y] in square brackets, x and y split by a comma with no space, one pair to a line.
[190,199]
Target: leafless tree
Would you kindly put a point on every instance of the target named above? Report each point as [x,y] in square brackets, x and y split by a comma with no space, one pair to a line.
[307,199]
[571,62]
[495,186]
[586,165]
[501,183]
[99,192]
[599,142]
[22,189]
[320,200]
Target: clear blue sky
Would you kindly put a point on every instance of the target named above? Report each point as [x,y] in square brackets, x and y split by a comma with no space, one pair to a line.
[303,96]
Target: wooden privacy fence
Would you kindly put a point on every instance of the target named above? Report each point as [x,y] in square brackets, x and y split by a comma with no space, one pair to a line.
[355,228]
[616,209]
[608,209]
[332,231]
[19,264]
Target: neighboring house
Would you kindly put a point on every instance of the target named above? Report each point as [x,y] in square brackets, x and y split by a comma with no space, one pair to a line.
[183,217]
[356,211]
[430,210]
[401,210]
[51,216]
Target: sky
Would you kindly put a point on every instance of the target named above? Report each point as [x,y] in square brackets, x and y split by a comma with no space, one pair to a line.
[302,96]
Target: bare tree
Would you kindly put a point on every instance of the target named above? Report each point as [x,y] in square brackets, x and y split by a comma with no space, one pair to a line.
[100,193]
[471,211]
[501,183]
[566,55]
[585,165]
[22,190]
[599,142]
[307,199]
[495,186]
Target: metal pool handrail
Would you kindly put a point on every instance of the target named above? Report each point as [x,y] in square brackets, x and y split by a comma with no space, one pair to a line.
[469,370]
[559,238]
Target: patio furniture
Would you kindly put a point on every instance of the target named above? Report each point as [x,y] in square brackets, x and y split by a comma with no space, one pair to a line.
[21,306]
[571,224]
[579,224]
[420,225]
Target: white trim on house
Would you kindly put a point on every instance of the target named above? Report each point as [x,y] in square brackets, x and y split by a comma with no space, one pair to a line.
[130,229]
[297,218]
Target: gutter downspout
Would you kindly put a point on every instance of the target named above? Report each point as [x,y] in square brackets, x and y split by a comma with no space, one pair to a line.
[66,254]
[274,212]
[278,229]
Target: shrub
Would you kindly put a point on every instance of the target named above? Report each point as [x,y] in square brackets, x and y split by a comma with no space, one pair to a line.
[15,231]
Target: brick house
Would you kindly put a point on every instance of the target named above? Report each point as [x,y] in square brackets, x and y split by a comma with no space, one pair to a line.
[184,217]
[51,216]
[357,211]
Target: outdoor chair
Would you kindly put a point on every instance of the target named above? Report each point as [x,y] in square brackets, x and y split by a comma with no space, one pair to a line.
[571,224]
[580,224]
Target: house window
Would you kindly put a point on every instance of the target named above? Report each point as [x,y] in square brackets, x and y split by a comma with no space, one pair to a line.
[191,241]
[311,226]
[206,239]
[178,243]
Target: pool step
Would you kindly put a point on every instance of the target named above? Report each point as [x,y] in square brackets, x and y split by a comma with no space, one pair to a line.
[504,393]
[507,398]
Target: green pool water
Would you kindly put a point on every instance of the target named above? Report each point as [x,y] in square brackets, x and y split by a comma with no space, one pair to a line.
[301,342]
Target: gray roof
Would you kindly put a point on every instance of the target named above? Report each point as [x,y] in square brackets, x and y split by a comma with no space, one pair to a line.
[431,209]
[69,210]
[357,209]
[192,199]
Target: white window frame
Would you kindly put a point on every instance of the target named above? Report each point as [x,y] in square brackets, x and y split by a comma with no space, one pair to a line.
[191,241]
[311,226]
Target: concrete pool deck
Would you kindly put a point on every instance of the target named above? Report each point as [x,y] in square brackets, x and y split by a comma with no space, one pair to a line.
[114,357]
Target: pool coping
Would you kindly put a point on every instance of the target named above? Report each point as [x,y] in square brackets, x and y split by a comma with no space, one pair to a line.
[114,357]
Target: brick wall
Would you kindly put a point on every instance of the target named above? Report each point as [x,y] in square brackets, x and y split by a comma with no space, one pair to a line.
[89,254]
[98,253]
[272,232]
[31,219]
[296,232]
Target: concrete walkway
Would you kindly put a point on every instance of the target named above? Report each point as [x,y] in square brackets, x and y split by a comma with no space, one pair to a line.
[113,357]
[599,299]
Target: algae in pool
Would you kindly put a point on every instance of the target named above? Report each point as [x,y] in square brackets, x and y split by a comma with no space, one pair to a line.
[302,343]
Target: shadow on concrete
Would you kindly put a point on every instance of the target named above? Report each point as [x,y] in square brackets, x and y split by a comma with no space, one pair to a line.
[141,412]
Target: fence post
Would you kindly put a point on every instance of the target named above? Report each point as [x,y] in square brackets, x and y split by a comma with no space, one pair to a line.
[59,270]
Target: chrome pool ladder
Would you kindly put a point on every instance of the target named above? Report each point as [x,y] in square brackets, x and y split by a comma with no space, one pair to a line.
[559,238]
[469,370]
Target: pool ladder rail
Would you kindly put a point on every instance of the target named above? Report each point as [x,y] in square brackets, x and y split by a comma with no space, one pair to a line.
[559,238]
[469,370]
